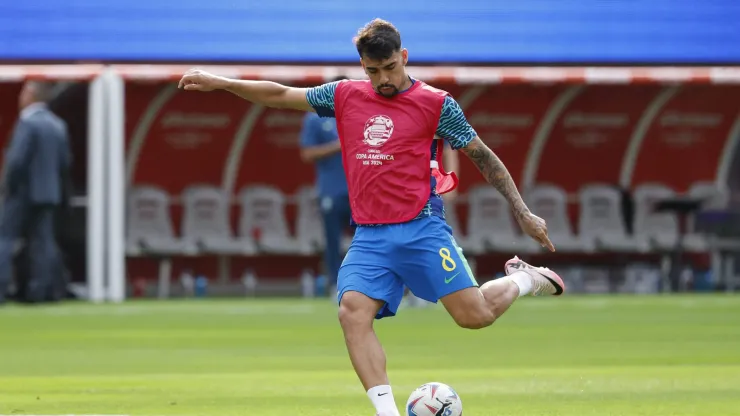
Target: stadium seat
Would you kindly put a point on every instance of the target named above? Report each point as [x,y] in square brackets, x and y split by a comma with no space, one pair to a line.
[491,225]
[263,218]
[715,198]
[721,248]
[657,229]
[310,236]
[309,229]
[205,222]
[551,204]
[468,246]
[601,222]
[149,225]
[149,232]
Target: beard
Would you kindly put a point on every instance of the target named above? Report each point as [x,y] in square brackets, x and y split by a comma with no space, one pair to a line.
[387,90]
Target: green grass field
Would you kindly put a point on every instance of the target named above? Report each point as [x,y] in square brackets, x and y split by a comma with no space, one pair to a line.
[631,356]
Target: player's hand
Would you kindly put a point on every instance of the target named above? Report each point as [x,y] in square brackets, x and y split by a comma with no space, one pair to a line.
[536,228]
[199,80]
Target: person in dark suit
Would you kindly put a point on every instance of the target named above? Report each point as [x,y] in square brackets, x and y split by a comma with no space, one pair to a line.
[37,162]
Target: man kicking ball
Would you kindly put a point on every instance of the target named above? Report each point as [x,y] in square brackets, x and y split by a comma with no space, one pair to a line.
[392,162]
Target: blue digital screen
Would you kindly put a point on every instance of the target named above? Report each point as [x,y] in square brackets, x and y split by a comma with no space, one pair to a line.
[471,31]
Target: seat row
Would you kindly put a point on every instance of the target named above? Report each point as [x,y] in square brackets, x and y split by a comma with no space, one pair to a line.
[601,220]
[206,222]
[263,227]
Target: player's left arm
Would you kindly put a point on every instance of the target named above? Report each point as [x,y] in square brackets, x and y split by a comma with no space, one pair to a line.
[496,173]
[454,127]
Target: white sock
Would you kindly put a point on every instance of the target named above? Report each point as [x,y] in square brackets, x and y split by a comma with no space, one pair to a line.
[382,398]
[522,280]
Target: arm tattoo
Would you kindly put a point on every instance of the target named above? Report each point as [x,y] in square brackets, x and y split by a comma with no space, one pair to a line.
[496,174]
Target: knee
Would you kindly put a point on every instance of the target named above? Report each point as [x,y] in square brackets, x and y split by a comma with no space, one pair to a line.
[475,318]
[356,310]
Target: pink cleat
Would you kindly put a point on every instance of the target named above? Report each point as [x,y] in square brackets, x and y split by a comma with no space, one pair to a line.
[545,281]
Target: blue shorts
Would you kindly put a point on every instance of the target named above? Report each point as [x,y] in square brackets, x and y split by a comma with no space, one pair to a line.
[421,254]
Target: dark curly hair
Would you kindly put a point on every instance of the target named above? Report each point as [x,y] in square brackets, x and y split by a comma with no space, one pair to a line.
[378,40]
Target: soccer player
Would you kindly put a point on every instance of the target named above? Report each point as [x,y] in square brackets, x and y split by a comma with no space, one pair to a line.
[387,126]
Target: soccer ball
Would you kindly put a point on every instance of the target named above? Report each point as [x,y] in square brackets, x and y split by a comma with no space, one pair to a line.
[434,399]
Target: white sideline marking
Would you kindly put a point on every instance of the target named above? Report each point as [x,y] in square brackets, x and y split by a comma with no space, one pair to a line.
[23,414]
[208,309]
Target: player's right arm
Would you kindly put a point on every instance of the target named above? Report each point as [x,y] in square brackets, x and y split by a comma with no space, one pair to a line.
[266,93]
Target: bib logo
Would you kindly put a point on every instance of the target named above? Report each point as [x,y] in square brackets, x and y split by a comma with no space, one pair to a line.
[378,129]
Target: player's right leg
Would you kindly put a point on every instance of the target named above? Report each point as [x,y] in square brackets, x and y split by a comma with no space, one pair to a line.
[356,314]
[368,290]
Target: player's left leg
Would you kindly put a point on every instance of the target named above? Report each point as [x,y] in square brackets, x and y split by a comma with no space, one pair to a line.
[442,272]
[475,308]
